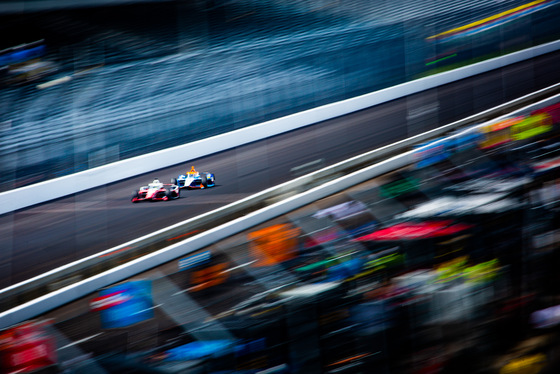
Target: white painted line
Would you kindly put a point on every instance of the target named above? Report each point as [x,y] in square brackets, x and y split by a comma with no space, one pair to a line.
[54,82]
[81,341]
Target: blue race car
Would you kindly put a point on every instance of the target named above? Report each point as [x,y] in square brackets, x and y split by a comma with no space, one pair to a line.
[194,179]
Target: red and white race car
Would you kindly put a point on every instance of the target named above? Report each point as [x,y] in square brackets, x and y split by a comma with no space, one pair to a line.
[156,191]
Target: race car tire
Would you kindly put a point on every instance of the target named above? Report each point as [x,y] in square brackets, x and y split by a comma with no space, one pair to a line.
[174,181]
[203,180]
[134,195]
[170,195]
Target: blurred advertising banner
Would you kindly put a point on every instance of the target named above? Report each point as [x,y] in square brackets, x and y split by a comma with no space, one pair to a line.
[27,347]
[124,304]
[274,245]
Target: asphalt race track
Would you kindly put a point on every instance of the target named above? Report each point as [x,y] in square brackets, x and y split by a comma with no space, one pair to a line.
[44,237]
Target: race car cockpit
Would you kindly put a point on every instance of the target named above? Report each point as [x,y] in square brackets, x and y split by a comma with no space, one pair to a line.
[155,184]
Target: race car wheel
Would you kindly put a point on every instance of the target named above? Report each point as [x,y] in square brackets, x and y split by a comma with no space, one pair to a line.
[174,181]
[171,195]
[204,180]
[135,196]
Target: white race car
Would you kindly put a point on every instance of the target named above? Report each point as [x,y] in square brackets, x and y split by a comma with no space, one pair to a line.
[195,179]
[156,191]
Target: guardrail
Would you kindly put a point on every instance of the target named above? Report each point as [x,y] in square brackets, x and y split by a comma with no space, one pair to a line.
[50,290]
[49,190]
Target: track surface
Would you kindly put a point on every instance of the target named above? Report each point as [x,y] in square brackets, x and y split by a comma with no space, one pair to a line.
[44,237]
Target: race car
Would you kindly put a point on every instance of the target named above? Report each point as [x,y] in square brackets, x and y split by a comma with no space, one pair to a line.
[195,179]
[156,191]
